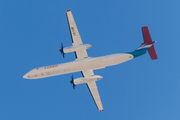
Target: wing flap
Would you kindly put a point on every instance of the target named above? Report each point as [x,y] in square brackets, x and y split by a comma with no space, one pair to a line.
[81,54]
[87,73]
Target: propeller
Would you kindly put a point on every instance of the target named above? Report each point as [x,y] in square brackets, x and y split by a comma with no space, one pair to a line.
[72,82]
[61,50]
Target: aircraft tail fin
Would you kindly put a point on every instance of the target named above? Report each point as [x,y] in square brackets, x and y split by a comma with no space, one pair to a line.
[148,41]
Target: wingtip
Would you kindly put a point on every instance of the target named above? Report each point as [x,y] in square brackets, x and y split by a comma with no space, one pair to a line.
[144,27]
[68,10]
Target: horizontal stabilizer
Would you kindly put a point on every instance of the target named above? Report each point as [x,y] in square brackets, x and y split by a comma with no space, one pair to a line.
[146,35]
[148,40]
[152,53]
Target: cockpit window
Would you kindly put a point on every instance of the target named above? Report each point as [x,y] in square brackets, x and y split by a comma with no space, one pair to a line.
[39,68]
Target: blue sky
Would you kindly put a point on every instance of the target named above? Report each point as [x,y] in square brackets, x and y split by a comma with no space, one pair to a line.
[30,36]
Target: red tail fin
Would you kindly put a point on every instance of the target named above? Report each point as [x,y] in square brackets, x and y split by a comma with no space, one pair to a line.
[147,39]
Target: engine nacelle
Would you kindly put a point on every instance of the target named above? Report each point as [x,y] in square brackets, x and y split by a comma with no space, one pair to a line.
[87,79]
[75,48]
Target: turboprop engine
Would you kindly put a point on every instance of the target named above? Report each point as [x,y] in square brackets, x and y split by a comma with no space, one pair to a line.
[87,79]
[75,48]
[81,80]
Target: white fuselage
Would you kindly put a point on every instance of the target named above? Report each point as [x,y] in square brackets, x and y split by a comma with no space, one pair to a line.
[78,65]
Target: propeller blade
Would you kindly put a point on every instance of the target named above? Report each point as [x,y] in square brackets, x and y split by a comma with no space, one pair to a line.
[72,82]
[74,86]
[61,50]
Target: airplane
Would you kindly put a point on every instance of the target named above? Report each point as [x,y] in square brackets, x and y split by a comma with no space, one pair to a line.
[86,65]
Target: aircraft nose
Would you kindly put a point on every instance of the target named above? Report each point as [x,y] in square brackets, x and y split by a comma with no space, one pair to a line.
[26,76]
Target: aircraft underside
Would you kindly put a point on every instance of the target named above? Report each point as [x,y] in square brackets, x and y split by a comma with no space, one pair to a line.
[78,65]
[85,64]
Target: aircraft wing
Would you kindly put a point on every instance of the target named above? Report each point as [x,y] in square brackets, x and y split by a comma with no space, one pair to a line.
[76,38]
[82,54]
[93,89]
